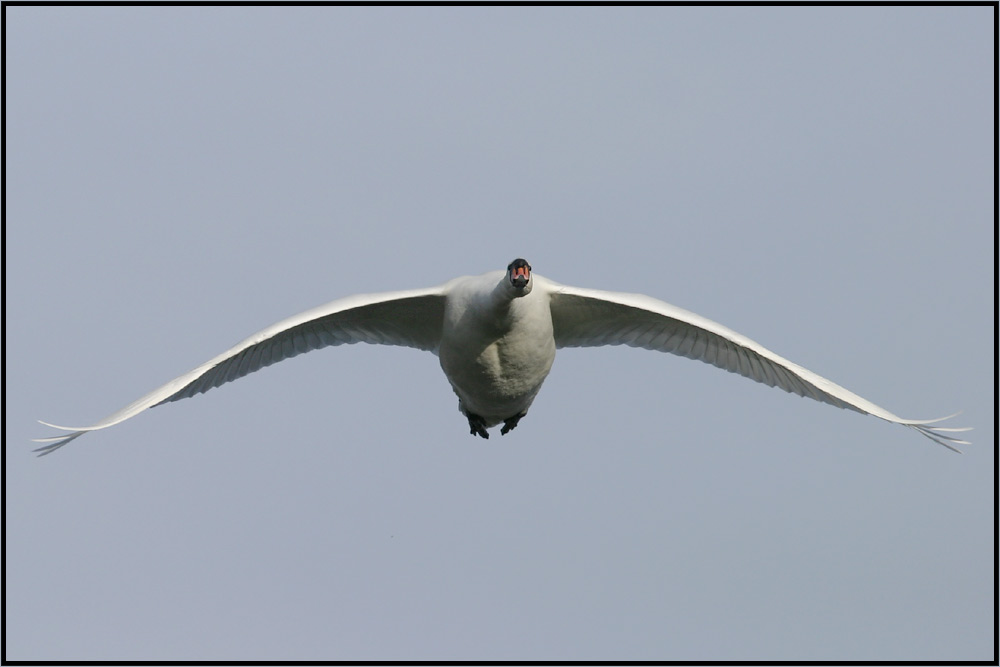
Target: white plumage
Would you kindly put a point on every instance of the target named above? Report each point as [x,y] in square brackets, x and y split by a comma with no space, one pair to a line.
[496,336]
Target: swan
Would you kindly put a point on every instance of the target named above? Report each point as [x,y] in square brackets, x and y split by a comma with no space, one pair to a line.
[496,336]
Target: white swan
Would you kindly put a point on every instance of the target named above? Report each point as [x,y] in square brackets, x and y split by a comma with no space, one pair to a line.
[496,336]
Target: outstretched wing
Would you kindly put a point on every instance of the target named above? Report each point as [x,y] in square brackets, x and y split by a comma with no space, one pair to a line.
[586,317]
[411,318]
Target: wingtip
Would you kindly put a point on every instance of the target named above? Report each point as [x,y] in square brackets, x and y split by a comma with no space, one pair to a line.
[55,442]
[62,428]
[937,434]
[52,443]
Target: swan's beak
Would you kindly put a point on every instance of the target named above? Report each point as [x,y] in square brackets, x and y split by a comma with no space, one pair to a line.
[519,276]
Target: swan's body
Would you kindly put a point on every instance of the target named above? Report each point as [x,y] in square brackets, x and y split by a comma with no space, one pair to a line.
[496,350]
[496,336]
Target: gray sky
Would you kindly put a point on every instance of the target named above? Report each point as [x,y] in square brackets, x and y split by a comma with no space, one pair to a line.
[819,179]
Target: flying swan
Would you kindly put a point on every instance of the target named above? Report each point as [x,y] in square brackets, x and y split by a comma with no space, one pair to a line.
[496,336]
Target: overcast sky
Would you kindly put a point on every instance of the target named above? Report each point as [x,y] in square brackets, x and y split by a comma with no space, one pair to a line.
[819,179]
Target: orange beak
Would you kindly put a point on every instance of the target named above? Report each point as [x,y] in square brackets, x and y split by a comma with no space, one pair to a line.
[520,275]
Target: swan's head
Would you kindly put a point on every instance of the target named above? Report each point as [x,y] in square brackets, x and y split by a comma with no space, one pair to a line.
[519,275]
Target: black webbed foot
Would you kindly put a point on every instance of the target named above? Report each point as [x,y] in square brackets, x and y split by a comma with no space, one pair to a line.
[509,424]
[478,426]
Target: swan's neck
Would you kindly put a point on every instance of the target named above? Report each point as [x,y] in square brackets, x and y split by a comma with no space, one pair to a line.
[505,294]
[502,302]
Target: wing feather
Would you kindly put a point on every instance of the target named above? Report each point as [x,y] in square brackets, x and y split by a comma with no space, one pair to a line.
[410,318]
[586,317]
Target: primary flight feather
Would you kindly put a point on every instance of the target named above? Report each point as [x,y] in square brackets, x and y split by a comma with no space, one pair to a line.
[496,336]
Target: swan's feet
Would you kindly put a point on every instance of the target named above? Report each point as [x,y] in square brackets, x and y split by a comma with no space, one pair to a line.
[509,424]
[478,426]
